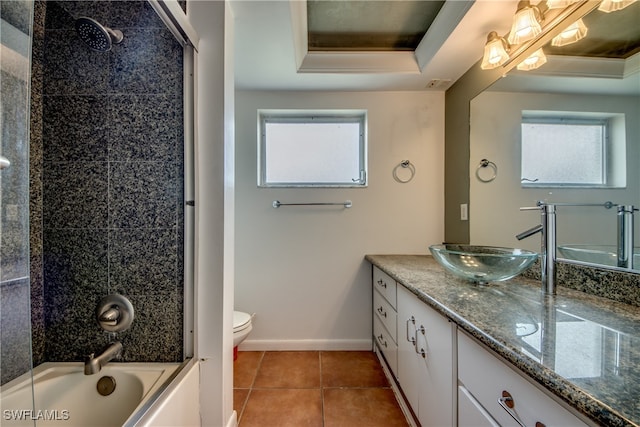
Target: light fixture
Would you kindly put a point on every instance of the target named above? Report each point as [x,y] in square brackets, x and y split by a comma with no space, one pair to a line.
[526,23]
[559,4]
[496,51]
[614,5]
[571,34]
[534,61]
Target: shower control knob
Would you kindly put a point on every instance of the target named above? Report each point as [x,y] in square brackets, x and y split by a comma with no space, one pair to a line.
[114,313]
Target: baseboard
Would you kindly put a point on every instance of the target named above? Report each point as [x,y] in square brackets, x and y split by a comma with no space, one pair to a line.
[306,345]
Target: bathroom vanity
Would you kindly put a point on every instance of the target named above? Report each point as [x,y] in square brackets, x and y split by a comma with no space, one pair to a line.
[471,355]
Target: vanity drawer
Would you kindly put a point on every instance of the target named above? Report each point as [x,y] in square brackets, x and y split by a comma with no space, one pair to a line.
[385,285]
[387,315]
[487,378]
[386,345]
[471,413]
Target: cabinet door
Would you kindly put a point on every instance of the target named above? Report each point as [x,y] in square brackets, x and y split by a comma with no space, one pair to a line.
[425,360]
[410,367]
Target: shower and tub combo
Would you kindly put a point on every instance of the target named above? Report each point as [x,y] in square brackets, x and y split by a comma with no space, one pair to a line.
[95,231]
[70,394]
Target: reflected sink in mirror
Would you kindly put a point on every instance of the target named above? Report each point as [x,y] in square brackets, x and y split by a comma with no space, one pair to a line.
[595,254]
[483,264]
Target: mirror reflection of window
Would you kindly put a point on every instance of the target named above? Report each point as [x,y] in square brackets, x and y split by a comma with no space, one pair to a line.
[564,153]
[572,149]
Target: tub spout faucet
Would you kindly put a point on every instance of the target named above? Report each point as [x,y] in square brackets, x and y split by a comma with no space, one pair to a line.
[93,363]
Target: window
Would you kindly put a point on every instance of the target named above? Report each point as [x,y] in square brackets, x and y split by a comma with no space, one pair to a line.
[567,151]
[312,149]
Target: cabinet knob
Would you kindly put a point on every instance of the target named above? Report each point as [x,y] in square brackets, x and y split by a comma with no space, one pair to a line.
[382,312]
[382,283]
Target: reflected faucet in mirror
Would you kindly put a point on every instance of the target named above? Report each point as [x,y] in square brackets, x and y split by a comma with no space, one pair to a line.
[625,249]
[547,228]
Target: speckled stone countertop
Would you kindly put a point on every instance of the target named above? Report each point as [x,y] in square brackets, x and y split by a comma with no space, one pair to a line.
[582,348]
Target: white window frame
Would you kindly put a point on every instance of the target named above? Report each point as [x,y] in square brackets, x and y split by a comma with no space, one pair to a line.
[313,116]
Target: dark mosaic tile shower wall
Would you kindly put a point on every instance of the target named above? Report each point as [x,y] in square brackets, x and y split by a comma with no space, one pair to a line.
[112,180]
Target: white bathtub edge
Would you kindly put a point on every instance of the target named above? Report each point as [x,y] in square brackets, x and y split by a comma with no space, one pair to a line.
[158,405]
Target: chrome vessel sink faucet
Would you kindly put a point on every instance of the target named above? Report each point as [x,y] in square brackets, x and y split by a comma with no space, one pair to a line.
[93,364]
[547,228]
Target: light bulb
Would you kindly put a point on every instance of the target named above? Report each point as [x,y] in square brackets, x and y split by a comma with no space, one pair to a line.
[571,34]
[526,23]
[535,60]
[495,52]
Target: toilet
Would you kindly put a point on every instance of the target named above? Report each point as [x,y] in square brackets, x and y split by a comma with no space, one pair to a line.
[241,328]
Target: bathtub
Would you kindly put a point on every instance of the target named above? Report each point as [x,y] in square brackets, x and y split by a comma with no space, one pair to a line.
[64,396]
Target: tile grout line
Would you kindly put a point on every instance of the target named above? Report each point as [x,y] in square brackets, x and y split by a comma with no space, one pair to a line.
[246,400]
[255,376]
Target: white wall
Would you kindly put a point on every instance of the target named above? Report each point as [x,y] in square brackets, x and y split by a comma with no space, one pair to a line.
[302,269]
[494,207]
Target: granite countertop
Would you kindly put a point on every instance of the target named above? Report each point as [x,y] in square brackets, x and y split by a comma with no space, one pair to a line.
[584,349]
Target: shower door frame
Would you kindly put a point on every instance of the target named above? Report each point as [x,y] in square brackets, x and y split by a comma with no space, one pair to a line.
[177,22]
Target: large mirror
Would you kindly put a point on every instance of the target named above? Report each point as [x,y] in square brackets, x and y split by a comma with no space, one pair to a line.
[595,78]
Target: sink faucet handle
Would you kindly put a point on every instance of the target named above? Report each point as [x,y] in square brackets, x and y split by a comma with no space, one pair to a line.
[530,232]
[530,208]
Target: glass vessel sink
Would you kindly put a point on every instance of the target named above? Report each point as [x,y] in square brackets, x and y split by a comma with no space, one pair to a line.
[483,264]
[595,254]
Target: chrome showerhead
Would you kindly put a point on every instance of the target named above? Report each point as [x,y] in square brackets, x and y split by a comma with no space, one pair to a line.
[97,36]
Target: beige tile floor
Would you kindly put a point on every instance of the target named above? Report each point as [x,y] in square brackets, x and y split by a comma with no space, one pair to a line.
[313,388]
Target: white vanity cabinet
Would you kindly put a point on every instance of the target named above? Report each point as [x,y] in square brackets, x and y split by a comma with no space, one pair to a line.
[483,380]
[426,360]
[385,318]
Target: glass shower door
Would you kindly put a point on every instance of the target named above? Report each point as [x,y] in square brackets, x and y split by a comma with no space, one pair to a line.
[15,305]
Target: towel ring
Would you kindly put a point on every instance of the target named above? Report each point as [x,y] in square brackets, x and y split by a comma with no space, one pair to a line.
[405,164]
[484,163]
